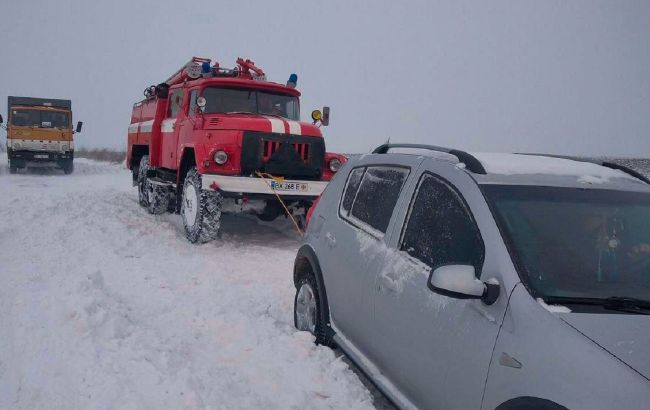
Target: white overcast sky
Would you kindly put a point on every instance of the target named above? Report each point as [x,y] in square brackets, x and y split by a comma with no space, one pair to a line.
[568,77]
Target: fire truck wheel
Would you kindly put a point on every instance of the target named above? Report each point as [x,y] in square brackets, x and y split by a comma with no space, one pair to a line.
[157,199]
[143,197]
[200,210]
[270,213]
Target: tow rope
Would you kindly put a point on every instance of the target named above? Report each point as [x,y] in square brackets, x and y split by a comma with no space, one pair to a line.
[264,176]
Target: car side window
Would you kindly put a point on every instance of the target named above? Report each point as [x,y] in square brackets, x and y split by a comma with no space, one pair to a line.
[439,229]
[351,188]
[175,103]
[191,111]
[371,194]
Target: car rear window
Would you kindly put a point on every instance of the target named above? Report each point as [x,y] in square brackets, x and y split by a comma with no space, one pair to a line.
[371,194]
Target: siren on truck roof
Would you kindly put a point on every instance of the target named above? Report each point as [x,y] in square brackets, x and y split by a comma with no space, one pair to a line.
[293,81]
[203,67]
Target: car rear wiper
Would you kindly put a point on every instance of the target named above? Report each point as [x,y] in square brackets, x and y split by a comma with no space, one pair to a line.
[618,303]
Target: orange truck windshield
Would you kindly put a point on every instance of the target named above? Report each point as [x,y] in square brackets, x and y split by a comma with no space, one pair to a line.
[40,118]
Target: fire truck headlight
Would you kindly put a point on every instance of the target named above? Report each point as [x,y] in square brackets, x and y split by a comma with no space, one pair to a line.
[220,157]
[335,164]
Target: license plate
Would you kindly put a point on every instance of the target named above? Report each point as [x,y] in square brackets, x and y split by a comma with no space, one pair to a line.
[41,156]
[290,186]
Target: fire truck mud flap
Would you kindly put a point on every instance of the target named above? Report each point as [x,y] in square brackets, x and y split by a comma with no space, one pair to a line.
[271,186]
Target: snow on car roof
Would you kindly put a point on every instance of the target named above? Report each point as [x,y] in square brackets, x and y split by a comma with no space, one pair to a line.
[521,164]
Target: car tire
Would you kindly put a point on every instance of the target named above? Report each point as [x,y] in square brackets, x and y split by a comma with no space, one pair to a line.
[309,310]
[12,169]
[143,196]
[200,210]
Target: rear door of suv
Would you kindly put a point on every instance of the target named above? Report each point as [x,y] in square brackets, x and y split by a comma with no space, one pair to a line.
[354,242]
[434,348]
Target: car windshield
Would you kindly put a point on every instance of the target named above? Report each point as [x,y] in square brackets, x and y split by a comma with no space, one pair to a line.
[242,100]
[40,118]
[577,243]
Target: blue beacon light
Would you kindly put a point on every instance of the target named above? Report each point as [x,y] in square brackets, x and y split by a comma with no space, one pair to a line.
[293,81]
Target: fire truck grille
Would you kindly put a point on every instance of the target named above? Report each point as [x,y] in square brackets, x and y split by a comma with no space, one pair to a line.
[290,156]
[270,147]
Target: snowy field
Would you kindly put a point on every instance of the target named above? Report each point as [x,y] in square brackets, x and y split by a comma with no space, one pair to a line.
[103,306]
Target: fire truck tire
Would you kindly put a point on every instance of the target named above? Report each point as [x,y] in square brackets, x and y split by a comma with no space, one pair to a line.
[200,210]
[157,199]
[143,197]
[271,212]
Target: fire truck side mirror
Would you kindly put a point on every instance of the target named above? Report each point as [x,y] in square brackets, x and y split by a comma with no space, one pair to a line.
[326,116]
[79,125]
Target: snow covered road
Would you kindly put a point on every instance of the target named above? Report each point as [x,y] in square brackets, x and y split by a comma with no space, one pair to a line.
[103,306]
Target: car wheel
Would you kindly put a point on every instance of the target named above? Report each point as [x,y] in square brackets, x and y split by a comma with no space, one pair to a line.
[308,311]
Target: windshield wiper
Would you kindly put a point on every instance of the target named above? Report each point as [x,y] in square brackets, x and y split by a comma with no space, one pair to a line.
[618,303]
[274,115]
[241,112]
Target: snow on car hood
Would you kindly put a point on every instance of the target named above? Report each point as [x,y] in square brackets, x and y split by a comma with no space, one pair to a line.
[626,336]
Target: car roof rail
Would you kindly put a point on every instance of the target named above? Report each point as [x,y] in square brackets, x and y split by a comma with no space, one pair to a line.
[471,163]
[606,164]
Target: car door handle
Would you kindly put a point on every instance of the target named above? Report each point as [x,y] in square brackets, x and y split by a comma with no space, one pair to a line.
[331,239]
[387,284]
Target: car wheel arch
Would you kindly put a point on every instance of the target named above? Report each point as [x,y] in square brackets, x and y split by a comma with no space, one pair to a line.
[530,403]
[307,262]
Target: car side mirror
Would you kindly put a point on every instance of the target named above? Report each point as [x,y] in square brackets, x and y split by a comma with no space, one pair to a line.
[79,125]
[460,282]
[1,120]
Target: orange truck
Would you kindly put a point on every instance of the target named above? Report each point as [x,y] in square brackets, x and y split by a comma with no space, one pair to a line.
[39,131]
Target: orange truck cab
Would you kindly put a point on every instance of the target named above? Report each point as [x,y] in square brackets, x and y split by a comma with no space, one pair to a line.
[212,140]
[39,131]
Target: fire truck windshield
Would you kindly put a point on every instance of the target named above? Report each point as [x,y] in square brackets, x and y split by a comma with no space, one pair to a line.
[243,100]
[40,118]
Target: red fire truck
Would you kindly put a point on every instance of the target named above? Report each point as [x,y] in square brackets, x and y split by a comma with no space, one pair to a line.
[210,140]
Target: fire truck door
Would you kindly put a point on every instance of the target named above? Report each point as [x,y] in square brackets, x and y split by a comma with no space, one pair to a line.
[170,128]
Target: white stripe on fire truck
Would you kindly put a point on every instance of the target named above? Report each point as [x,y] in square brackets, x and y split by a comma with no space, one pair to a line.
[277,125]
[295,128]
[168,125]
[146,126]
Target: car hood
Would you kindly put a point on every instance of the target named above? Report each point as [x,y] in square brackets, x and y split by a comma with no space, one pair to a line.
[626,336]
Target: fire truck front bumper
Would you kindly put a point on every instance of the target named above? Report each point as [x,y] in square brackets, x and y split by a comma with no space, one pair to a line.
[252,186]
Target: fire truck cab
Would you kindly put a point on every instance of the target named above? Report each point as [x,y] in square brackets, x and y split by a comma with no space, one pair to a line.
[210,140]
